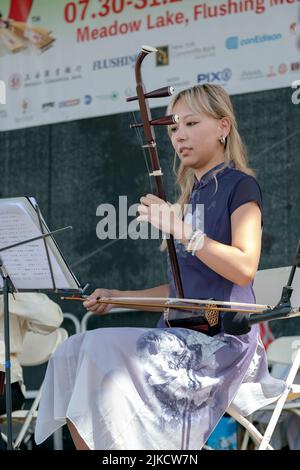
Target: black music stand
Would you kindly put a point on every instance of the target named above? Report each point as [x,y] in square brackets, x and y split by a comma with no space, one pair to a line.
[60,279]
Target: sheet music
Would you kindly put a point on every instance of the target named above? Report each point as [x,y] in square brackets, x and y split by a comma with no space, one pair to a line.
[27,265]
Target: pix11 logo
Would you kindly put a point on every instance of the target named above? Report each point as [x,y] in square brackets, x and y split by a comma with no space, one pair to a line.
[296,93]
[2,92]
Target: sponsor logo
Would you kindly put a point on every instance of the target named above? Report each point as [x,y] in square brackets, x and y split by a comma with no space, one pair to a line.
[15,81]
[25,112]
[294,28]
[178,82]
[234,42]
[215,77]
[162,56]
[47,106]
[68,103]
[271,72]
[251,74]
[129,92]
[124,61]
[48,76]
[113,96]
[25,106]
[88,99]
[192,49]
[282,69]
[295,66]
[205,51]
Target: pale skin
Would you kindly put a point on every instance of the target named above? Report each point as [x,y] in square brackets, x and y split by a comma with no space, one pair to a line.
[195,138]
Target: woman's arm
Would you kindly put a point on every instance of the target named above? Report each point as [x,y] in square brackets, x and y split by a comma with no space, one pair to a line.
[158,291]
[237,262]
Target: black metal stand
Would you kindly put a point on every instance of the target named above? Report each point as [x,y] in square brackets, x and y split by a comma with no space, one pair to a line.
[238,323]
[6,289]
[284,307]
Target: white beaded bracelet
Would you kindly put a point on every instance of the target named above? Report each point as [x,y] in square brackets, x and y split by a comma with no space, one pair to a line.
[195,241]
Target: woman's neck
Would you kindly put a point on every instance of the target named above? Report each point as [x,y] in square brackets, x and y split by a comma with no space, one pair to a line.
[199,172]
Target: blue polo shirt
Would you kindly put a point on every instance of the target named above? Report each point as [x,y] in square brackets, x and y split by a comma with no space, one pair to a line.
[220,196]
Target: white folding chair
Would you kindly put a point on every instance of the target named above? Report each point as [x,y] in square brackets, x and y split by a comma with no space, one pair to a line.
[37,350]
[268,284]
[285,350]
[70,318]
[84,326]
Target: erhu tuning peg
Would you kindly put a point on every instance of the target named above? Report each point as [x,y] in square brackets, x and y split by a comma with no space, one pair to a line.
[159,93]
[163,121]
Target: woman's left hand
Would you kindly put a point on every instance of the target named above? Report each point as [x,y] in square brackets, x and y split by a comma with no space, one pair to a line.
[161,214]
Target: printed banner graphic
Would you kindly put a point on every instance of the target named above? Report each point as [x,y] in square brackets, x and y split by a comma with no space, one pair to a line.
[65,60]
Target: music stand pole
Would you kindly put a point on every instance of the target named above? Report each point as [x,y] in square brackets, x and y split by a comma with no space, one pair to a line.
[6,289]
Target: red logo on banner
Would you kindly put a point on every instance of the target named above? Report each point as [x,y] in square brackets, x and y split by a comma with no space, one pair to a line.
[20,10]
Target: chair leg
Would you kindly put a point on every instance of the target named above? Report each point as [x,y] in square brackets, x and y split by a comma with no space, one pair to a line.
[254,433]
[245,441]
[280,403]
[58,439]
[28,420]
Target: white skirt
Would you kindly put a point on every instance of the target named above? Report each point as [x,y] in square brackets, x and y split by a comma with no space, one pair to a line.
[144,389]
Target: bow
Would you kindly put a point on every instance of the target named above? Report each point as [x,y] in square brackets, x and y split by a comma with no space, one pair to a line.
[176,303]
[148,123]
[258,313]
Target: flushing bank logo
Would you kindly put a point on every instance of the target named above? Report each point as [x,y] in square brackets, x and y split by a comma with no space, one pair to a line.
[124,61]
[2,92]
[218,77]
[234,42]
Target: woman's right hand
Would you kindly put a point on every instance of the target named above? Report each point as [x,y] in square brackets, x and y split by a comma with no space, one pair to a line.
[92,305]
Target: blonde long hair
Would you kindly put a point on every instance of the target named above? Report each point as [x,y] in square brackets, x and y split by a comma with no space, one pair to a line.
[215,102]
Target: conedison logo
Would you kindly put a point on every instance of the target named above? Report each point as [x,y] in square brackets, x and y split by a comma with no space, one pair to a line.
[234,42]
[2,92]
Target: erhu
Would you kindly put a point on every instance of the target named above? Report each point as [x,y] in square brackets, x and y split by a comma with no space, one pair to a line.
[147,123]
[208,320]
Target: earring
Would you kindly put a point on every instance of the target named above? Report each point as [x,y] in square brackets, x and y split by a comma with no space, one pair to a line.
[222,140]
